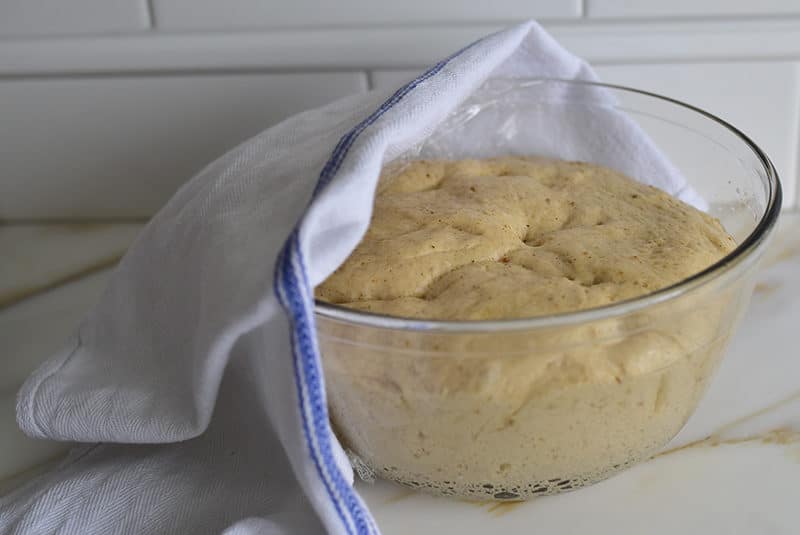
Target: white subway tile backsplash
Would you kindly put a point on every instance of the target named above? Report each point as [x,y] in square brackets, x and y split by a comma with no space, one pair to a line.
[92,103]
[119,147]
[208,14]
[683,8]
[760,98]
[59,17]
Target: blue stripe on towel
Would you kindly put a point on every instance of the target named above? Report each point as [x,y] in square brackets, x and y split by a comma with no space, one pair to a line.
[295,294]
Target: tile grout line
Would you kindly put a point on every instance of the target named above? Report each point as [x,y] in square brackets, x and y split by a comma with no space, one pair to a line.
[151,13]
[367,68]
[189,71]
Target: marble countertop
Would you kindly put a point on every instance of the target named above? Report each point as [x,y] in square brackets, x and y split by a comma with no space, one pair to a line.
[734,469]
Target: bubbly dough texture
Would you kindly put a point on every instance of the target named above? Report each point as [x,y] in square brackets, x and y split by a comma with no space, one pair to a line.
[519,237]
[520,413]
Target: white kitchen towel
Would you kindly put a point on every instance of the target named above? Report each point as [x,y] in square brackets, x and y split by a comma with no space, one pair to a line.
[220,284]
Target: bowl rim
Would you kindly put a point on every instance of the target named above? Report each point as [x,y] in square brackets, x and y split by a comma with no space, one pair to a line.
[752,243]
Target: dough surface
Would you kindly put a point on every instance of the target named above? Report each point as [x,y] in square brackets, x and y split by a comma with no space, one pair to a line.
[519,237]
[520,413]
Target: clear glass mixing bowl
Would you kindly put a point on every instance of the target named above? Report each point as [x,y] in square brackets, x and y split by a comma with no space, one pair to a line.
[518,408]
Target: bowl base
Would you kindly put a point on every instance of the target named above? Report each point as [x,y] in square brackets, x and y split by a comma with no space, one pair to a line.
[500,491]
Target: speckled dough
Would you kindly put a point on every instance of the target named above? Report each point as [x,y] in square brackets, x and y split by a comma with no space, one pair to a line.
[515,414]
[519,237]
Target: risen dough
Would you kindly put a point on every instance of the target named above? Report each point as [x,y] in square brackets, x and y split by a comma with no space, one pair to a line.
[519,237]
[513,414]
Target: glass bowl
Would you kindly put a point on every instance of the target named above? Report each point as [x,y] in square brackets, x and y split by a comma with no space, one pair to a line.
[508,410]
